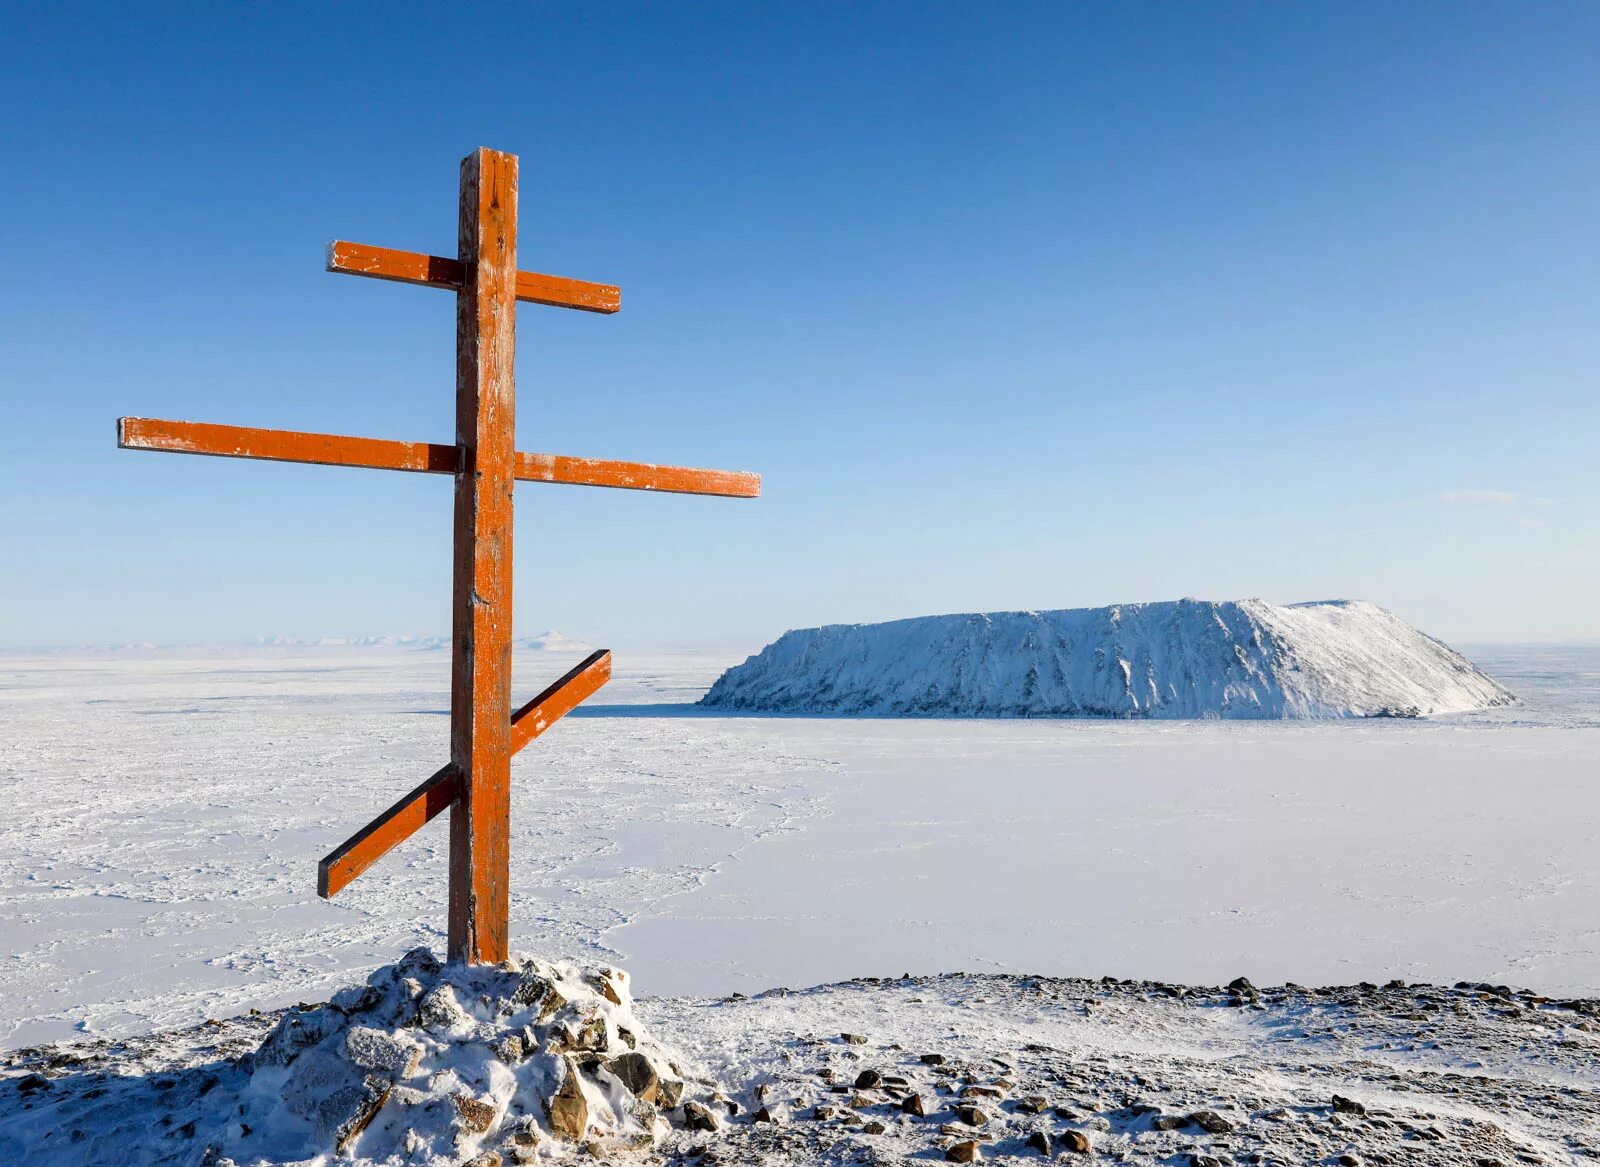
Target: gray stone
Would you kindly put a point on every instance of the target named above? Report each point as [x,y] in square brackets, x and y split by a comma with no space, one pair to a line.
[295,1033]
[1040,1142]
[1211,1122]
[965,1151]
[1347,1105]
[363,1107]
[440,1010]
[382,1053]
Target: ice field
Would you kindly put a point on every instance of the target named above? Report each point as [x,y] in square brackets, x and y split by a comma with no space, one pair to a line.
[165,811]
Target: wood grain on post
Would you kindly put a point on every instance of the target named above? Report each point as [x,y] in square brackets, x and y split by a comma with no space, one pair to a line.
[480,688]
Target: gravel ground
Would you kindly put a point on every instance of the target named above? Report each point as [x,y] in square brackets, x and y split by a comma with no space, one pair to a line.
[1127,1071]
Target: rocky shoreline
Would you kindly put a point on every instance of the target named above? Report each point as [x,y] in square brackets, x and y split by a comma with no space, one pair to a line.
[917,1069]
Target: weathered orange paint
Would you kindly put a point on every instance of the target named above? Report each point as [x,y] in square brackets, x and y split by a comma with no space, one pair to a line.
[434,271]
[637,476]
[480,683]
[560,699]
[397,824]
[484,733]
[393,827]
[233,441]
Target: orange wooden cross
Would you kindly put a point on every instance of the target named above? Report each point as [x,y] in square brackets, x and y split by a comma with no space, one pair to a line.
[484,730]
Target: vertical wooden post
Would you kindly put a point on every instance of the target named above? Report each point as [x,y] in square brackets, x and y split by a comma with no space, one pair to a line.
[480,694]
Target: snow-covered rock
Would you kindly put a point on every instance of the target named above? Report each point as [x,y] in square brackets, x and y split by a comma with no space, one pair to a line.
[1188,658]
[441,1063]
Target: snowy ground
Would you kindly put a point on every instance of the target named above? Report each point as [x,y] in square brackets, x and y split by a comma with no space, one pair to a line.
[165,812]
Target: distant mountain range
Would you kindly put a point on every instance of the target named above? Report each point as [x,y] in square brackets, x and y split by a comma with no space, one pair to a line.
[549,641]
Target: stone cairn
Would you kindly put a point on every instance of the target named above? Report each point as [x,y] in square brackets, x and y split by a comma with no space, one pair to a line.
[507,1063]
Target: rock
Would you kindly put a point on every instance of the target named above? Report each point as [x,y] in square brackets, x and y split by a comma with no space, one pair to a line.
[760,1091]
[568,1109]
[913,1104]
[374,1094]
[1349,1160]
[963,1152]
[1040,1142]
[868,1080]
[982,1092]
[821,1112]
[635,1072]
[1211,1122]
[933,1059]
[669,1093]
[383,1053]
[297,1031]
[852,1039]
[1241,985]
[613,983]
[971,1115]
[1168,1122]
[699,1118]
[510,1049]
[861,1102]
[1347,1105]
[33,1082]
[764,1115]
[874,1128]
[440,1011]
[1034,1104]
[1075,1141]
[895,1080]
[476,1116]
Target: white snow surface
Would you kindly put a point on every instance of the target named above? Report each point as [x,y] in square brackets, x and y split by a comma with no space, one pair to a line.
[1181,659]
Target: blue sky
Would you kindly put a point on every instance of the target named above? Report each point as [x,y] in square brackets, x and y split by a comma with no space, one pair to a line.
[1014,306]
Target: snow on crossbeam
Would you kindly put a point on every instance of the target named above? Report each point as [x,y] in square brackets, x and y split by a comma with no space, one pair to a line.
[237,441]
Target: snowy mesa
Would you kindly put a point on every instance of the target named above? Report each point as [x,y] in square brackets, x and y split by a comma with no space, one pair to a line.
[1185,658]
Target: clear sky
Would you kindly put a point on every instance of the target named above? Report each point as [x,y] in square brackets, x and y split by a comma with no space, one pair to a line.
[1013,306]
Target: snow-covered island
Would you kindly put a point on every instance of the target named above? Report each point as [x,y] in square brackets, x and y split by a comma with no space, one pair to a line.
[1179,659]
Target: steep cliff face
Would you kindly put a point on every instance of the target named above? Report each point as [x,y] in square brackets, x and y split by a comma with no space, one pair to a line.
[1187,658]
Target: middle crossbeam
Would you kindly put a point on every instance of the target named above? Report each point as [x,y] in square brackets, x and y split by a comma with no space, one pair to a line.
[233,441]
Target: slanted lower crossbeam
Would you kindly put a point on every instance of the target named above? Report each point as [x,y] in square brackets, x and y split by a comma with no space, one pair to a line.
[397,824]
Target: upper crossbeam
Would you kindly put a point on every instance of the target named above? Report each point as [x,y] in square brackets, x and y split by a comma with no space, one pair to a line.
[435,271]
[232,441]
